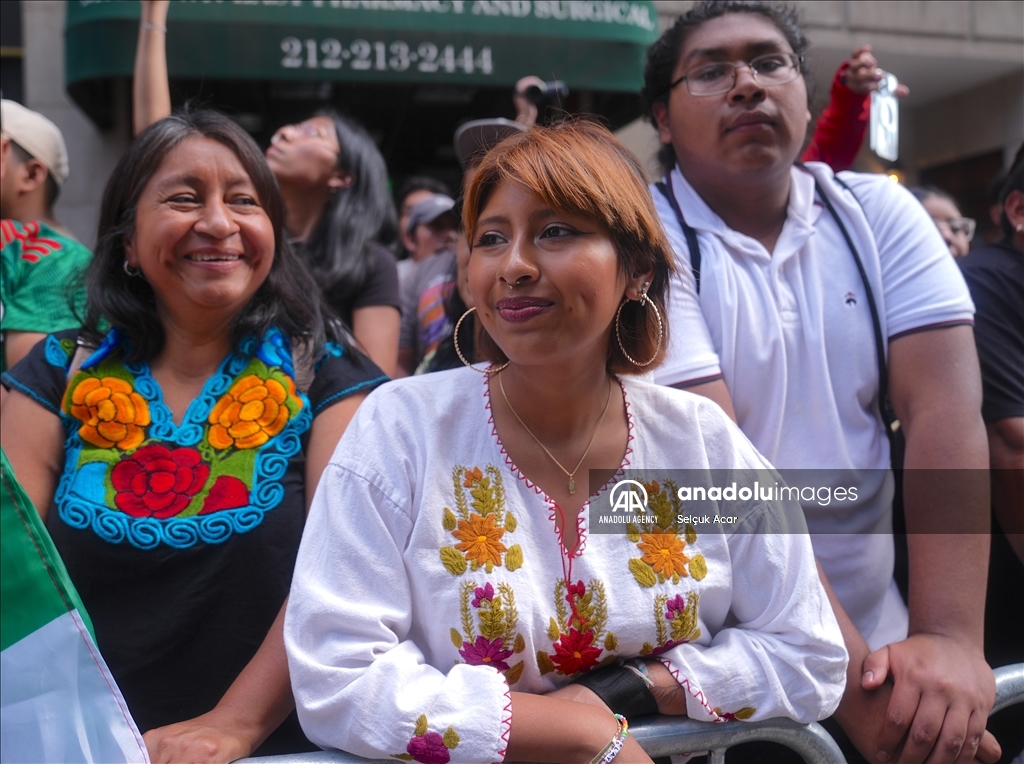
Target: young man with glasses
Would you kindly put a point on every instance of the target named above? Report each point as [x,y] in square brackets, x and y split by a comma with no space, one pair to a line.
[813,296]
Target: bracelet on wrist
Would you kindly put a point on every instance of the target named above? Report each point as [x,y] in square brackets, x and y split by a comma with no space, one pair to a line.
[639,667]
[153,27]
[610,751]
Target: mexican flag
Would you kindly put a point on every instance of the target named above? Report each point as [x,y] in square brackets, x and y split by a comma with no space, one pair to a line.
[58,701]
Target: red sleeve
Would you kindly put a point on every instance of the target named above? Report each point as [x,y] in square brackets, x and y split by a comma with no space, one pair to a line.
[841,127]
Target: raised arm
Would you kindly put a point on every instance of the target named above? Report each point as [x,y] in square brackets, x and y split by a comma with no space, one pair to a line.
[151,90]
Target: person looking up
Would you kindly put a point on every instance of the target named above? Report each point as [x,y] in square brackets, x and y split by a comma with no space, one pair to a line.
[173,443]
[803,300]
[956,230]
[41,261]
[334,183]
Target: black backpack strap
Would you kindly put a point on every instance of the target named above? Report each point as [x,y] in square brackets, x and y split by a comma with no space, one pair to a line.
[688,232]
[884,407]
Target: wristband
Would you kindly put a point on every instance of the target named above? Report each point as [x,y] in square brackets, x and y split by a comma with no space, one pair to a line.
[610,751]
[622,690]
[153,27]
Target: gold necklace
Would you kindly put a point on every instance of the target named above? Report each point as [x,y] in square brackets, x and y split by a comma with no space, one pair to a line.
[572,475]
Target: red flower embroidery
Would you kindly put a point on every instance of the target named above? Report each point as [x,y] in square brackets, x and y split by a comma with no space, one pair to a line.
[227,492]
[158,482]
[575,652]
[429,748]
[486,652]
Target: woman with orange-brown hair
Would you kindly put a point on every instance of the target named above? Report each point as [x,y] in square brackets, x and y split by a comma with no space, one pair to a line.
[473,609]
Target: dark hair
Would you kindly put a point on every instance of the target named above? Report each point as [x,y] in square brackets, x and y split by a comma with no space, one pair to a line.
[1014,182]
[340,249]
[419,183]
[580,168]
[288,298]
[663,56]
[921,193]
[52,189]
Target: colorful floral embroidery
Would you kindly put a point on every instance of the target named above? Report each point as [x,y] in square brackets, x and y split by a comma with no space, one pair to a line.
[676,622]
[744,713]
[498,640]
[480,524]
[429,747]
[579,634]
[135,475]
[157,481]
[253,411]
[112,413]
[663,557]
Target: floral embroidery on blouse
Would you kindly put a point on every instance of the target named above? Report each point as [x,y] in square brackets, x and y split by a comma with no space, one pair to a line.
[744,713]
[498,641]
[429,747]
[132,474]
[676,622]
[578,632]
[663,555]
[479,525]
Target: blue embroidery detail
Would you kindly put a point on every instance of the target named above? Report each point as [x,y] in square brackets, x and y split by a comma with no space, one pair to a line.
[13,383]
[350,390]
[81,498]
[276,350]
[55,354]
[111,341]
[332,349]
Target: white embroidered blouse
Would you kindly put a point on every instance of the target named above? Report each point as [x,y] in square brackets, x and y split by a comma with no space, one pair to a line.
[431,581]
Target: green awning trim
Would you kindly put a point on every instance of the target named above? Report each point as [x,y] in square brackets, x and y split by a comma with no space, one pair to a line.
[591,44]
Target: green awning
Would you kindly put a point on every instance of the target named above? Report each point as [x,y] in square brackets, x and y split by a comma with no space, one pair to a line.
[590,44]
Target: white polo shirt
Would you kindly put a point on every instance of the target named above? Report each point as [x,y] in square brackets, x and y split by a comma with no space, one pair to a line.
[792,336]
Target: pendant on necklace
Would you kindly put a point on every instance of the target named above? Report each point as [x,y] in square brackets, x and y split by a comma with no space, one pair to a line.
[572,486]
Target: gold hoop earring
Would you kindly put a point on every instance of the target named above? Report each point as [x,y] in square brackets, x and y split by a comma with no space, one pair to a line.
[492,369]
[644,302]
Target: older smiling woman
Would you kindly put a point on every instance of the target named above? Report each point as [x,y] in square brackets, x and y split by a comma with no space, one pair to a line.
[447,619]
[170,465]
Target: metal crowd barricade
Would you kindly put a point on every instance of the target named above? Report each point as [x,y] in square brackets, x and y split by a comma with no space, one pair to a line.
[666,735]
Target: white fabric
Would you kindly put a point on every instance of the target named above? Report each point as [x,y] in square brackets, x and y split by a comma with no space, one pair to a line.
[371,616]
[792,335]
[60,704]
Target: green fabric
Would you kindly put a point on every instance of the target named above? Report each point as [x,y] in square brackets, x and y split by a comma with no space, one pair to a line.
[591,44]
[40,286]
[34,584]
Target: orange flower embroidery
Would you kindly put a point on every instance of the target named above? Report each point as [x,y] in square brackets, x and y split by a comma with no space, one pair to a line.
[663,551]
[480,540]
[252,412]
[111,412]
[471,475]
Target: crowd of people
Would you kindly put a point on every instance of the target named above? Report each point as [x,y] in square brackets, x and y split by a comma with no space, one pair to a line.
[280,549]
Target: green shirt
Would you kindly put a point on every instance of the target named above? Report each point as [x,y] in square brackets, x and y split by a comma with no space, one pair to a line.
[40,285]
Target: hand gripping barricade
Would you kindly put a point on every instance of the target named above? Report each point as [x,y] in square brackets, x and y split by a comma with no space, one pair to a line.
[666,735]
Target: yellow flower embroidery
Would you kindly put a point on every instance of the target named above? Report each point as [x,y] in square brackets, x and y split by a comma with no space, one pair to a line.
[480,539]
[252,412]
[111,412]
[663,551]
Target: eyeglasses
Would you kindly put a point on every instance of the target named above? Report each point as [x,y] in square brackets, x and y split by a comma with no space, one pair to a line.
[965,226]
[720,77]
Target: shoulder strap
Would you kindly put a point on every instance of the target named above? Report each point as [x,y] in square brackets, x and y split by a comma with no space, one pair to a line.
[880,345]
[688,232]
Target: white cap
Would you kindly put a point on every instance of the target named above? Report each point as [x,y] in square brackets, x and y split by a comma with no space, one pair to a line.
[38,136]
